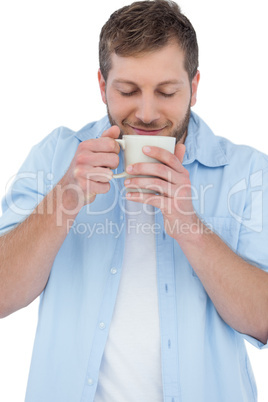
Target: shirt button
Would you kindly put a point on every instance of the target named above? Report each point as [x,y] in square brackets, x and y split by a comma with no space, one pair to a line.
[101,325]
[113,271]
[90,381]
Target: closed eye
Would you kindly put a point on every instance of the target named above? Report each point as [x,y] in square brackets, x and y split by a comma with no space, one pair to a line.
[128,93]
[135,92]
[167,95]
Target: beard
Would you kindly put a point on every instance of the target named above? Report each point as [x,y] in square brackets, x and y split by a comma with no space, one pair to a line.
[179,132]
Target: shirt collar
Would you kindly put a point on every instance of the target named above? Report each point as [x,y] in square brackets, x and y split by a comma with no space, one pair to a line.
[93,130]
[202,145]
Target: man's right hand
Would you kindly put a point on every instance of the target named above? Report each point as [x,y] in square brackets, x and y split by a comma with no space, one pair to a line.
[37,240]
[91,170]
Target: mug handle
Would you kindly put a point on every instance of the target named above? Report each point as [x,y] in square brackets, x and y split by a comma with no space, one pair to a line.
[122,144]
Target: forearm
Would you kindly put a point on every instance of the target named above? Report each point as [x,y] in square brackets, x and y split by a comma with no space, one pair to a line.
[27,253]
[238,289]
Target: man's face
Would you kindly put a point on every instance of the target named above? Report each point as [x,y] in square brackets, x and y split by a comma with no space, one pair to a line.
[150,93]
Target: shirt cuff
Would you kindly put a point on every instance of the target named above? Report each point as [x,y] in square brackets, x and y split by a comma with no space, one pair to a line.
[253,341]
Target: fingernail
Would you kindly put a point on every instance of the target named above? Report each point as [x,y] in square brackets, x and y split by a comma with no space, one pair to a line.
[127,182]
[147,150]
[129,169]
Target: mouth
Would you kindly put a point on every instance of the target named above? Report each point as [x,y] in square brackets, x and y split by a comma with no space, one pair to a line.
[140,131]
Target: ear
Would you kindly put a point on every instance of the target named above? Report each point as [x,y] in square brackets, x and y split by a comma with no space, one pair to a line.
[102,86]
[195,83]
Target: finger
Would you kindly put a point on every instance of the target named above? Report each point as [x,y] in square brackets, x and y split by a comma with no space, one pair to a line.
[180,151]
[164,156]
[96,159]
[94,174]
[153,184]
[91,188]
[157,201]
[112,132]
[102,144]
[158,170]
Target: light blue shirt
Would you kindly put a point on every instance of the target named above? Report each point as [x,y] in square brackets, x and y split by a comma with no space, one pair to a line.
[203,359]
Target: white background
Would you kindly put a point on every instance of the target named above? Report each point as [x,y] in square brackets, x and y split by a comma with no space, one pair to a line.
[48,78]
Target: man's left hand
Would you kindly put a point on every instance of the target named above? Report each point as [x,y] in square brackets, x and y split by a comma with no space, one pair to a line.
[171,185]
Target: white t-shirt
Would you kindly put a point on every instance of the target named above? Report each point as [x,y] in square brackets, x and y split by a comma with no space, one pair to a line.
[131,364]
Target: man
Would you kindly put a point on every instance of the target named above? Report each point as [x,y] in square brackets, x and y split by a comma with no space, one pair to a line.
[144,297]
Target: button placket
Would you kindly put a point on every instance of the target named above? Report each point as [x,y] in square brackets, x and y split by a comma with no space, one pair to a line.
[110,289]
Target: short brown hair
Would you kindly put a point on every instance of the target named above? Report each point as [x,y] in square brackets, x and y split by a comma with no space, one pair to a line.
[147,26]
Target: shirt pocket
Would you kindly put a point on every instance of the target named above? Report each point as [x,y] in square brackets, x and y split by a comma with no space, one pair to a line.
[226,228]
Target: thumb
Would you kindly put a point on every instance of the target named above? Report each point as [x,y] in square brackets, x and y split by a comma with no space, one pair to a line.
[112,132]
[180,151]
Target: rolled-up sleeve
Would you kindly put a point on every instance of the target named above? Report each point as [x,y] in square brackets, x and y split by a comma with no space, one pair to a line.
[253,236]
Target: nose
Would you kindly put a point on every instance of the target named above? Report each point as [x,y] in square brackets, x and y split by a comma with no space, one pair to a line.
[147,109]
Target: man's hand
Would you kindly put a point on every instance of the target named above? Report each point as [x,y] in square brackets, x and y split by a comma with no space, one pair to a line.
[90,171]
[172,185]
[237,289]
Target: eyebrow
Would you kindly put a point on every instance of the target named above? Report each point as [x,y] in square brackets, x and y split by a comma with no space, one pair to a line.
[168,82]
[172,82]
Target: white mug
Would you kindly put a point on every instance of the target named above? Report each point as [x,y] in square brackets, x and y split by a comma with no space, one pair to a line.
[132,146]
